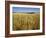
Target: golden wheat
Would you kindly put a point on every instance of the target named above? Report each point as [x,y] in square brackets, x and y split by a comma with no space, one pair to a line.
[25,21]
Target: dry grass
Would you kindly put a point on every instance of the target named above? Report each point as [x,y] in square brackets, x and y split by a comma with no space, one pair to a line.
[26,21]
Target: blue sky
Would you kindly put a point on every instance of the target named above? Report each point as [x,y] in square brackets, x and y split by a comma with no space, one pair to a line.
[25,9]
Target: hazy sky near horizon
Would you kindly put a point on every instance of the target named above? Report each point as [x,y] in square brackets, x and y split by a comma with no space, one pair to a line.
[25,9]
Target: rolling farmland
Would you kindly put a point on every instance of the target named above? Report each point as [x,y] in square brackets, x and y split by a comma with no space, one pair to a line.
[26,21]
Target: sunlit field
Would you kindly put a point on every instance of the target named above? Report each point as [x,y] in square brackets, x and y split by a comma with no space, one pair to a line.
[26,21]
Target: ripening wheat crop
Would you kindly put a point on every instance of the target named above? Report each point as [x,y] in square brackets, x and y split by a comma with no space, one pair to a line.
[26,21]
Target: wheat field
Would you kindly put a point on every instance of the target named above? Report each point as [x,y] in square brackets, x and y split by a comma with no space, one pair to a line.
[26,21]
